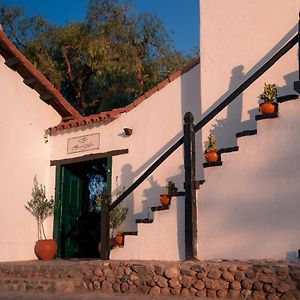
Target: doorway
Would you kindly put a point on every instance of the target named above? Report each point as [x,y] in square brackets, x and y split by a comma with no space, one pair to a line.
[77,214]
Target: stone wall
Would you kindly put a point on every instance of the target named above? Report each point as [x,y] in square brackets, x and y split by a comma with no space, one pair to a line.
[251,280]
[217,279]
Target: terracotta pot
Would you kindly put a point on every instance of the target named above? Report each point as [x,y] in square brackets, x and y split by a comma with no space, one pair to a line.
[45,249]
[211,156]
[165,199]
[119,239]
[267,107]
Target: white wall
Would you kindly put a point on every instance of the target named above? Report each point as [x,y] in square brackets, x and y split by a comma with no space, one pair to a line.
[24,153]
[157,123]
[247,208]
[161,240]
[236,38]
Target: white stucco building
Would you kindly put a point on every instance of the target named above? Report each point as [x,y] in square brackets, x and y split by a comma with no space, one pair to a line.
[247,208]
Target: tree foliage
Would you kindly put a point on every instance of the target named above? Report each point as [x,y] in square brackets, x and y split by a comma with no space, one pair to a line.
[106,61]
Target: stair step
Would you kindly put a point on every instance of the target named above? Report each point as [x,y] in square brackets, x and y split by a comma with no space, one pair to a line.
[287,98]
[246,133]
[228,150]
[130,233]
[212,164]
[160,208]
[267,116]
[36,284]
[146,221]
[179,194]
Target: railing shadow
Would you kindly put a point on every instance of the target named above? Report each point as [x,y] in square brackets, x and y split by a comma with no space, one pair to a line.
[218,107]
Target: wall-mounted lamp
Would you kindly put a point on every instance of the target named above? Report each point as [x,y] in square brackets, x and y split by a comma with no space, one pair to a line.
[127,131]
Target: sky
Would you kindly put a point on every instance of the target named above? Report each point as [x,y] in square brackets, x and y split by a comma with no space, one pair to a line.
[181,17]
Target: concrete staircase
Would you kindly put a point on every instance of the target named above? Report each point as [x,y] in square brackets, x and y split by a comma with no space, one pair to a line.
[165,226]
[247,196]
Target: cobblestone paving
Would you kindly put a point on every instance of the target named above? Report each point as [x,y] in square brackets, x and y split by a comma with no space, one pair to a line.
[86,296]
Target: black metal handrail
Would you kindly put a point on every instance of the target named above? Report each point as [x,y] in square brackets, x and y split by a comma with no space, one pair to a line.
[289,45]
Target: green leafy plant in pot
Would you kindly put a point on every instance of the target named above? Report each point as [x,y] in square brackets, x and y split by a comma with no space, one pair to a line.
[165,199]
[269,96]
[41,208]
[116,217]
[211,152]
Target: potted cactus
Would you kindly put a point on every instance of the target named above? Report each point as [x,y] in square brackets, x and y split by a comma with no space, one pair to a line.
[269,96]
[211,152]
[165,199]
[41,208]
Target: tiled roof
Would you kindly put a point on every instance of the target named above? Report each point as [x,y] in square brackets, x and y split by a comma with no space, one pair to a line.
[115,113]
[35,79]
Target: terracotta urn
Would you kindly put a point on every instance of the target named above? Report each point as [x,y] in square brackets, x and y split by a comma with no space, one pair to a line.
[165,199]
[267,107]
[119,239]
[211,156]
[45,249]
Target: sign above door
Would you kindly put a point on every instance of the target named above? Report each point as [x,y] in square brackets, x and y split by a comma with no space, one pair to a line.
[83,143]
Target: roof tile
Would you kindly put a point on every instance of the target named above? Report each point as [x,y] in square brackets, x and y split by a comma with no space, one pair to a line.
[175,75]
[129,107]
[151,92]
[17,61]
[162,84]
[139,100]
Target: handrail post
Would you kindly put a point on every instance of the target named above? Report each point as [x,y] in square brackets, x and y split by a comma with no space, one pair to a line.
[104,243]
[297,83]
[190,192]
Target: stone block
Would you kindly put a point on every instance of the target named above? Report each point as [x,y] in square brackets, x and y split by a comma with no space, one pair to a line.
[172,272]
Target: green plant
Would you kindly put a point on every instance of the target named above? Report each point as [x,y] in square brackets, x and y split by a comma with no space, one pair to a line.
[171,188]
[270,93]
[120,231]
[212,146]
[39,206]
[119,213]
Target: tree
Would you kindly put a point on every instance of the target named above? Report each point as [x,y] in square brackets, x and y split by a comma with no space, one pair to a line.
[105,61]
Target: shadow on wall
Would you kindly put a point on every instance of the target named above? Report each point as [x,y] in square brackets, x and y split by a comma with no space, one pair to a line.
[225,129]
[150,198]
[282,91]
[252,220]
[292,255]
[190,102]
[180,208]
[289,80]
[128,177]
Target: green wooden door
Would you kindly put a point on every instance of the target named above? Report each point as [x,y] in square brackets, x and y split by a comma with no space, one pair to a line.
[76,228]
[68,212]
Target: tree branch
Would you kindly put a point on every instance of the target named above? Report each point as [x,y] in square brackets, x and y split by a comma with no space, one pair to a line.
[65,51]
